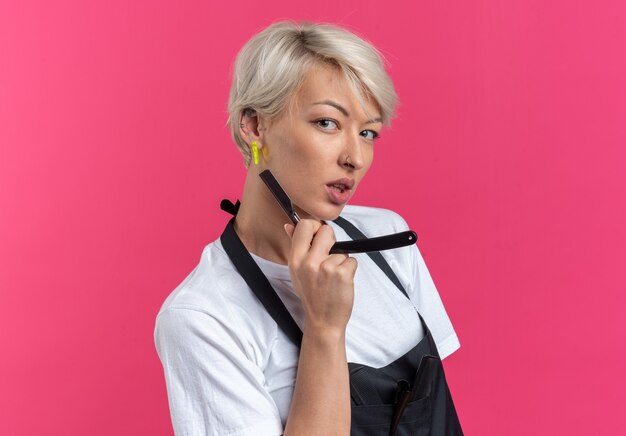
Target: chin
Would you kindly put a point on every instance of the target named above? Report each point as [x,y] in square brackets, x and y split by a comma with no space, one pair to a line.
[327,213]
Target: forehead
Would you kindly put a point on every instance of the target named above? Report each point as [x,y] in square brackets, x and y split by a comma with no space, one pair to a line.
[327,82]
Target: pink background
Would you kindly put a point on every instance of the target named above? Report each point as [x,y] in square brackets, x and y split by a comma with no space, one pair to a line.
[507,158]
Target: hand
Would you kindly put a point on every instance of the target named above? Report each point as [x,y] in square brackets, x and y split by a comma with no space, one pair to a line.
[324,282]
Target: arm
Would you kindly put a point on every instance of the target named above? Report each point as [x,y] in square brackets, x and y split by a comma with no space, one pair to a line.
[425,296]
[214,387]
[325,284]
[321,400]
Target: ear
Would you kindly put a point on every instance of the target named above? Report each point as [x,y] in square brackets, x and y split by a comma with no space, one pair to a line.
[249,126]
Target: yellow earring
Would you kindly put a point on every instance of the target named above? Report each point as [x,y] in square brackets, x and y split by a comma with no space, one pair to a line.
[255,152]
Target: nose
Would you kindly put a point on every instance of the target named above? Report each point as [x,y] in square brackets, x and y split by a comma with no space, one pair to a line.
[352,157]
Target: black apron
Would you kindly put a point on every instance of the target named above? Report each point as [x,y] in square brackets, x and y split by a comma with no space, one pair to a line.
[408,397]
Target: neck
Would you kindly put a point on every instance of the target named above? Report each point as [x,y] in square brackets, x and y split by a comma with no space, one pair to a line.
[260,221]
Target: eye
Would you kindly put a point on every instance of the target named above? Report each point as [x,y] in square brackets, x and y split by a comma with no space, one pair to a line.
[326,124]
[369,134]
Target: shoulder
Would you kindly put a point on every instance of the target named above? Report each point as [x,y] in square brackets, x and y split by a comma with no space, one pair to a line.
[209,330]
[214,302]
[206,283]
[409,265]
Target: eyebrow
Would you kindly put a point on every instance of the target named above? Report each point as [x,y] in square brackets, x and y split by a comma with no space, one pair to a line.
[345,112]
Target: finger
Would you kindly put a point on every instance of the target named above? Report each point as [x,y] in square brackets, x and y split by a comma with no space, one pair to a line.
[349,266]
[322,242]
[333,261]
[302,237]
[289,228]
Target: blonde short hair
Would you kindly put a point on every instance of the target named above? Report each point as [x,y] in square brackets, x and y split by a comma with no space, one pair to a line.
[271,66]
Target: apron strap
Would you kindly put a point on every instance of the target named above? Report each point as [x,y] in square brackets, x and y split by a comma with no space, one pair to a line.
[378,258]
[256,280]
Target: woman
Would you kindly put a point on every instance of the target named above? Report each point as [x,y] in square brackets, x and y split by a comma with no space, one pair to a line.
[307,102]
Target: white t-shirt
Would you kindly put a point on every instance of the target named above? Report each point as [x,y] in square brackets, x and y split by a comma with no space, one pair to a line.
[230,370]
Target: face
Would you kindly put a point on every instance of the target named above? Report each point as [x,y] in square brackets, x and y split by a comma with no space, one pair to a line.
[320,148]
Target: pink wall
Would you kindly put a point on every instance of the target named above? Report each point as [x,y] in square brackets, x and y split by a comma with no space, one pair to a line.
[507,158]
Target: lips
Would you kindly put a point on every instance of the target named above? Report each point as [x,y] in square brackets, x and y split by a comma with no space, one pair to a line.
[339,191]
[342,184]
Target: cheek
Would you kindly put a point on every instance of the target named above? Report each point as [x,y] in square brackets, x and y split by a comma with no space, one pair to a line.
[368,159]
[291,143]
[367,163]
[307,154]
